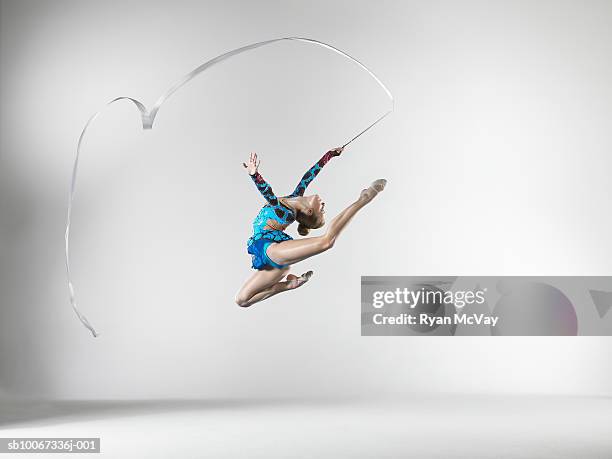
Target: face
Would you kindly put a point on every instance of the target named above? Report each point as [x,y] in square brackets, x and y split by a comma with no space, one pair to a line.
[316,204]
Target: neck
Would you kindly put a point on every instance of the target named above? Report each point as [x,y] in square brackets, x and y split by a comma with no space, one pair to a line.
[296,203]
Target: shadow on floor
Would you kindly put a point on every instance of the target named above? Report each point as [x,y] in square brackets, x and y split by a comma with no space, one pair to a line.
[40,412]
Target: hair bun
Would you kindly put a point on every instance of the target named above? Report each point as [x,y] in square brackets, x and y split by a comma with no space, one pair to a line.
[303,230]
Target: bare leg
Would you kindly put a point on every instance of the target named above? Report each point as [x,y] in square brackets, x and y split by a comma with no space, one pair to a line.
[290,252]
[264,284]
[291,283]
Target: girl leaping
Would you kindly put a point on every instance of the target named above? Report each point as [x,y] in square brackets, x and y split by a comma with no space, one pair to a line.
[272,250]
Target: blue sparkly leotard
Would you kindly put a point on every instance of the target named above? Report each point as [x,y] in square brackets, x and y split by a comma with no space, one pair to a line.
[274,210]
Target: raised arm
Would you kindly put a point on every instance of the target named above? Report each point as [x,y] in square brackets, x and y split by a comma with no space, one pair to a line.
[314,171]
[264,187]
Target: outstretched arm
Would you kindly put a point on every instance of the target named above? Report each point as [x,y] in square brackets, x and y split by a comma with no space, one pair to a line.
[264,187]
[314,171]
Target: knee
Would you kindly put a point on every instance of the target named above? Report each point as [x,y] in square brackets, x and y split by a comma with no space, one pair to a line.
[242,301]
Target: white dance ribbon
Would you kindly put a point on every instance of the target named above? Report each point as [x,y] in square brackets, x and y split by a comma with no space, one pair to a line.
[148,117]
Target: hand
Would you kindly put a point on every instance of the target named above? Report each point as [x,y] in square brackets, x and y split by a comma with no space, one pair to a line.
[337,151]
[253,164]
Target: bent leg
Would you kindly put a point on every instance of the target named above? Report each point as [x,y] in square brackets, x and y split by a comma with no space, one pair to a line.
[264,294]
[259,288]
[291,283]
[258,282]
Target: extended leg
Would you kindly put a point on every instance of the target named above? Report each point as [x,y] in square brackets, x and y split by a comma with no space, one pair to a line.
[290,252]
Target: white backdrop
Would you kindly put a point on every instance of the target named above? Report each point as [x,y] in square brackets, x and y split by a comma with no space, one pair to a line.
[498,161]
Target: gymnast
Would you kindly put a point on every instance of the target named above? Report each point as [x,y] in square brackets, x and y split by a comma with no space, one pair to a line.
[273,250]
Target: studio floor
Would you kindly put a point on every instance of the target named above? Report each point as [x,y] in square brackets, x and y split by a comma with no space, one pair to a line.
[449,426]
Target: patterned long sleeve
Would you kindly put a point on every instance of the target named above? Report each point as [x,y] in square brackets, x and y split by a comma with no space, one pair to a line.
[265,189]
[311,174]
